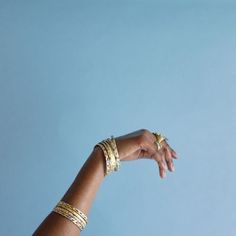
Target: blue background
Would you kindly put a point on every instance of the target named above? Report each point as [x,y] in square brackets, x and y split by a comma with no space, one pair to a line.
[74,72]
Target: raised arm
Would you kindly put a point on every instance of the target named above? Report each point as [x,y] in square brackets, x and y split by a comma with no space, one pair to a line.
[81,193]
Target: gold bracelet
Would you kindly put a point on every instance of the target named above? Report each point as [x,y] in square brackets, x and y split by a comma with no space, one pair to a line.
[111,154]
[113,144]
[113,149]
[75,212]
[107,159]
[62,203]
[71,213]
[69,216]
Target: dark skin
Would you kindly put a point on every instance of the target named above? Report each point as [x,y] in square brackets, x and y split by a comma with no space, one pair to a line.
[82,192]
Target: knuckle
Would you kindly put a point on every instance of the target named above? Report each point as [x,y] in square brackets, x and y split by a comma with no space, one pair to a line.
[140,141]
[144,131]
[142,138]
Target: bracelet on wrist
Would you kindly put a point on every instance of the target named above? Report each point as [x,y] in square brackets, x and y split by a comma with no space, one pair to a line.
[111,154]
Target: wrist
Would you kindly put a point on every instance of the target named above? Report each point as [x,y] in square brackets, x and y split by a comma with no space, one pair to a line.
[98,158]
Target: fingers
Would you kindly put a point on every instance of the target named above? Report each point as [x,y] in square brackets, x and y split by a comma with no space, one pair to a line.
[172,151]
[162,166]
[174,154]
[158,156]
[164,156]
[149,150]
[169,160]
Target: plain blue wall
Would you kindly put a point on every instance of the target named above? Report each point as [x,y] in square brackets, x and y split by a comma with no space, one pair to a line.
[74,72]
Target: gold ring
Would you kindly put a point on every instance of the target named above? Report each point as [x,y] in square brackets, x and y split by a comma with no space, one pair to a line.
[158,144]
[159,137]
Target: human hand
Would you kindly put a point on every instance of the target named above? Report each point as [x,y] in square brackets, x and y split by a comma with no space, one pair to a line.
[141,144]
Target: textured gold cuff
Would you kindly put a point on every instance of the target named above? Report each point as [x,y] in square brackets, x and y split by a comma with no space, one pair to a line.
[111,154]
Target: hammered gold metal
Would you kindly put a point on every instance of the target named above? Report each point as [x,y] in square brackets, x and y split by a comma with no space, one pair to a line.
[158,144]
[110,153]
[159,137]
[107,158]
[114,147]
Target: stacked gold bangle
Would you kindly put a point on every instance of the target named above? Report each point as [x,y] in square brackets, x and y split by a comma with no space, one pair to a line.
[71,213]
[111,154]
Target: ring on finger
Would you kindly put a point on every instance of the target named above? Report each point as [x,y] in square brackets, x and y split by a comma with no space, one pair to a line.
[158,144]
[159,137]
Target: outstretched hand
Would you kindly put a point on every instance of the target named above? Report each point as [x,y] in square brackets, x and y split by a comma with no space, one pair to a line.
[141,144]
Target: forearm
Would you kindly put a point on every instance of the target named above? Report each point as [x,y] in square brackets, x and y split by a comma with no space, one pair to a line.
[133,146]
[81,194]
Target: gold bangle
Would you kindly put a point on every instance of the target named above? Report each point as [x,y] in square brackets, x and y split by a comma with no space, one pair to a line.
[114,146]
[111,154]
[71,213]
[107,159]
[62,203]
[68,215]
[74,210]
